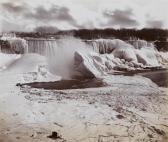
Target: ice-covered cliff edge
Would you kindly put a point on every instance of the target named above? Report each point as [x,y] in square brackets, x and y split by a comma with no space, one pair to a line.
[13,45]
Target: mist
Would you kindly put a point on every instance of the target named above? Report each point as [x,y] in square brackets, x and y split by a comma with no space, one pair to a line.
[61,58]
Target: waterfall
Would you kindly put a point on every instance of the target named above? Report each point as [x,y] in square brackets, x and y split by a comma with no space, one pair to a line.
[44,46]
[41,46]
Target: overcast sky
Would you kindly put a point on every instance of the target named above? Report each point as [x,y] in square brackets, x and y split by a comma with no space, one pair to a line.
[25,15]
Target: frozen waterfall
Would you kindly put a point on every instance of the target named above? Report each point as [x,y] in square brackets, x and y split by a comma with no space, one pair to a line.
[69,56]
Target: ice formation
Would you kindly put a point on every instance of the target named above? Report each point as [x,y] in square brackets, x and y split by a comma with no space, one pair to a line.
[13,45]
[115,54]
[69,57]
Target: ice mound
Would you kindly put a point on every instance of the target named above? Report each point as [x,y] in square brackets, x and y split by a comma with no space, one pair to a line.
[13,45]
[95,65]
[41,74]
[26,63]
[123,56]
[28,68]
[89,65]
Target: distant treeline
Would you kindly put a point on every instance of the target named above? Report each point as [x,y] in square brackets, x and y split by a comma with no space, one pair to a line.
[124,34]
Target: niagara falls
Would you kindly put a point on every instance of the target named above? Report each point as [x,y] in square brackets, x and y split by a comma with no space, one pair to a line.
[83,71]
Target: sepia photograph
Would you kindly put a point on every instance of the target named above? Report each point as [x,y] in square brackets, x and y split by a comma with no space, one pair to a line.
[83,71]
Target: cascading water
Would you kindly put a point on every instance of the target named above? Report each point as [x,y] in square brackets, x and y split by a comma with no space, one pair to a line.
[101,46]
[40,46]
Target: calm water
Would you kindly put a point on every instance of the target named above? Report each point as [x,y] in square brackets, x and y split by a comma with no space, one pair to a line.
[160,77]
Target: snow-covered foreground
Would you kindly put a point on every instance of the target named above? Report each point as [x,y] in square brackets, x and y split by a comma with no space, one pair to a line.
[128,109]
